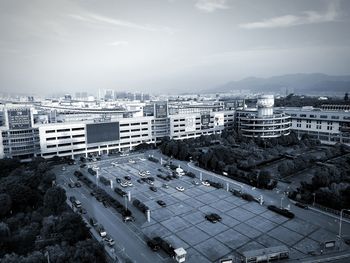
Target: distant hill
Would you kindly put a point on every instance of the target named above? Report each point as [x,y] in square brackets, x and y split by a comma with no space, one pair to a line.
[296,83]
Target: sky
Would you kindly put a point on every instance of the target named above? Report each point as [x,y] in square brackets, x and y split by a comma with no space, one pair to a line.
[166,46]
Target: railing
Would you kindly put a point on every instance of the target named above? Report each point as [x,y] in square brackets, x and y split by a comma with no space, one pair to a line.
[331,210]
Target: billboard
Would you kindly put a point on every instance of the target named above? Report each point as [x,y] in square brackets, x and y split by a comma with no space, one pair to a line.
[190,124]
[205,120]
[19,118]
[161,109]
[218,119]
[102,132]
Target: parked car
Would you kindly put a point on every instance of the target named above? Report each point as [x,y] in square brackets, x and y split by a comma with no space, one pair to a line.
[166,186]
[101,231]
[93,221]
[77,184]
[195,182]
[153,188]
[155,243]
[110,242]
[127,178]
[161,203]
[140,181]
[118,180]
[180,188]
[213,217]
[205,183]
[71,185]
[124,184]
[128,219]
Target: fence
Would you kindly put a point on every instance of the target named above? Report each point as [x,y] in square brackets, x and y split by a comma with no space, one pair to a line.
[331,210]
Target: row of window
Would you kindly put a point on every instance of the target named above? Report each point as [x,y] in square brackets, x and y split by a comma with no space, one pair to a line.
[333,117]
[65,130]
[133,124]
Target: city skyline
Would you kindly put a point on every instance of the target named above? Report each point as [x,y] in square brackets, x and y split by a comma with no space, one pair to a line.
[166,46]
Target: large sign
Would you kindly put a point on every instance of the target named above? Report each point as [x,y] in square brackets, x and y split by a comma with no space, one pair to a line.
[19,118]
[102,132]
[190,124]
[205,120]
[218,119]
[161,109]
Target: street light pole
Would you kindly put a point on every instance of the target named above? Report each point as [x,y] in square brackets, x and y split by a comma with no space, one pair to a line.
[281,201]
[340,221]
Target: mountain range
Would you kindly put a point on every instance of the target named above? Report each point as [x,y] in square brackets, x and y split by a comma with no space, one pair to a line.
[291,83]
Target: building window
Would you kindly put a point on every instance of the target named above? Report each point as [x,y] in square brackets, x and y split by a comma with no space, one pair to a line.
[323,116]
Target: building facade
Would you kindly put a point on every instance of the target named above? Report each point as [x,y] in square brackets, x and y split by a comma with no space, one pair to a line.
[263,121]
[100,136]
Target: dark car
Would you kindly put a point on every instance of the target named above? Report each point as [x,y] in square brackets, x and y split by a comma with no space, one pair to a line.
[140,181]
[161,203]
[93,221]
[82,165]
[301,205]
[154,243]
[152,188]
[105,203]
[82,210]
[77,184]
[118,180]
[127,178]
[214,218]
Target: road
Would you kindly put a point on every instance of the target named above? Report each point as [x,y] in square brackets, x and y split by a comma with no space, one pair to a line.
[131,244]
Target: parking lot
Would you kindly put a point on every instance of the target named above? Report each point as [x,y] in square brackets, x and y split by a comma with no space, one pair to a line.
[244,226]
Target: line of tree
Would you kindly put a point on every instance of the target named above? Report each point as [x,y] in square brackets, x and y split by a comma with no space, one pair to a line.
[35,221]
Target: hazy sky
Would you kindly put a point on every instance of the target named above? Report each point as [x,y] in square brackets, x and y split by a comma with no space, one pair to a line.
[166,46]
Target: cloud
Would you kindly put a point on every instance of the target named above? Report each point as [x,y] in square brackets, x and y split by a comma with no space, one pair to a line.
[98,19]
[211,5]
[119,43]
[307,17]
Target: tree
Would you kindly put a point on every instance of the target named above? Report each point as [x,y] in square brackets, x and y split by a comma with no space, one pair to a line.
[5,204]
[55,199]
[4,231]
[88,251]
[264,178]
[71,228]
[346,97]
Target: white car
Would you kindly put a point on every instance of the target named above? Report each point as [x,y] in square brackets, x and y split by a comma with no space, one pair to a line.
[115,164]
[180,188]
[63,168]
[124,184]
[205,183]
[131,161]
[195,182]
[129,183]
[148,172]
[109,240]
